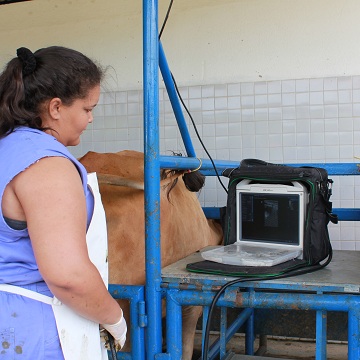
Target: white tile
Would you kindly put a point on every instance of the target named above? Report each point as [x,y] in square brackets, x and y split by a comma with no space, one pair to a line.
[303,125]
[302,85]
[275,127]
[99,123]
[346,153]
[222,153]
[345,137]
[289,112]
[248,142]
[235,129]
[316,84]
[317,139]
[346,124]
[247,101]
[331,97]
[195,92]
[303,154]
[234,115]
[276,155]
[262,140]
[209,130]
[302,139]
[220,90]
[345,96]
[289,127]
[207,103]
[122,134]
[261,101]
[234,102]
[275,140]
[261,114]
[332,153]
[208,117]
[247,114]
[234,142]
[133,96]
[316,112]
[330,83]
[289,140]
[207,91]
[347,245]
[356,95]
[247,88]
[221,116]
[109,98]
[195,104]
[274,100]
[356,110]
[288,99]
[331,138]
[110,122]
[98,147]
[221,103]
[260,87]
[287,86]
[289,154]
[303,112]
[274,87]
[233,89]
[331,111]
[261,127]
[248,153]
[302,98]
[121,97]
[248,128]
[275,113]
[317,153]
[316,98]
[109,110]
[356,82]
[345,82]
[221,130]
[262,153]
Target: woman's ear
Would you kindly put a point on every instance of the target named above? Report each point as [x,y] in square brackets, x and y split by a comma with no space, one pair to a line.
[54,108]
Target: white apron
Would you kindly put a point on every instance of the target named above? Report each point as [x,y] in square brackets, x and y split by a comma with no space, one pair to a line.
[80,337]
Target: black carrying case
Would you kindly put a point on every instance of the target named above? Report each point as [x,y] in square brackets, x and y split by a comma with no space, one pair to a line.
[317,245]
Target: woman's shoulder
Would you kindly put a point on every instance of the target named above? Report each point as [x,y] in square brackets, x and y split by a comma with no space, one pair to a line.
[24,146]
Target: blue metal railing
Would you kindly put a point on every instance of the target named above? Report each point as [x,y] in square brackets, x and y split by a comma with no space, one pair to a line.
[153,58]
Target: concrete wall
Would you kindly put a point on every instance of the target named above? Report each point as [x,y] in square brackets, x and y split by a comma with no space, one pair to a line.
[206,41]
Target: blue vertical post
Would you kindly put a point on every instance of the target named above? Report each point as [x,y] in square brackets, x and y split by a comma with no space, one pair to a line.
[321,335]
[354,333]
[152,177]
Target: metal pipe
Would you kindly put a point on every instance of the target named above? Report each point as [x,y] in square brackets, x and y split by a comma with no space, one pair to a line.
[152,176]
[175,103]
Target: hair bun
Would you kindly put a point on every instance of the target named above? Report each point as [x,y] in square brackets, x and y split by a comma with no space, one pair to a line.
[27,59]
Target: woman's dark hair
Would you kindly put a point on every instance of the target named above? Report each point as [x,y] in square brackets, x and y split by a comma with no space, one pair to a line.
[29,80]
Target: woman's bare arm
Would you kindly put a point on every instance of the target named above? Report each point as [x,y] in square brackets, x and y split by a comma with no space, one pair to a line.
[52,198]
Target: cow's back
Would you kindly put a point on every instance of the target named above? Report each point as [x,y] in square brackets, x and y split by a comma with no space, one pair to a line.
[184,227]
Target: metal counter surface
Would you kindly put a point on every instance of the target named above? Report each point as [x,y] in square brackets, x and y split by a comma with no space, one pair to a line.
[341,275]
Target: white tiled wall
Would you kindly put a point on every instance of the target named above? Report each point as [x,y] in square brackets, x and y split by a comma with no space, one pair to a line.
[288,121]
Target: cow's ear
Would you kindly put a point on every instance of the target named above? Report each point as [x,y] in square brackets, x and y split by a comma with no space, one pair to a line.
[53,108]
[194,181]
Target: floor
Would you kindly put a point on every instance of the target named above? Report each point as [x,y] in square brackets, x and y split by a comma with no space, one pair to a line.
[284,348]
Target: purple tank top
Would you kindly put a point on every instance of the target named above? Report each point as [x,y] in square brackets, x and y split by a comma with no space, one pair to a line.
[18,151]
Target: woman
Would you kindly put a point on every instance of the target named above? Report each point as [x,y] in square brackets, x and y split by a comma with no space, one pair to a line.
[48,214]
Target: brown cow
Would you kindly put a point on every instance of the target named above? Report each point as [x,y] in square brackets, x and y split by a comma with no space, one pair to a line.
[184,228]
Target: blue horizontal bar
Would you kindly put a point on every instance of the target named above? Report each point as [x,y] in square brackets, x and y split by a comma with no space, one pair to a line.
[343,214]
[264,300]
[182,162]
